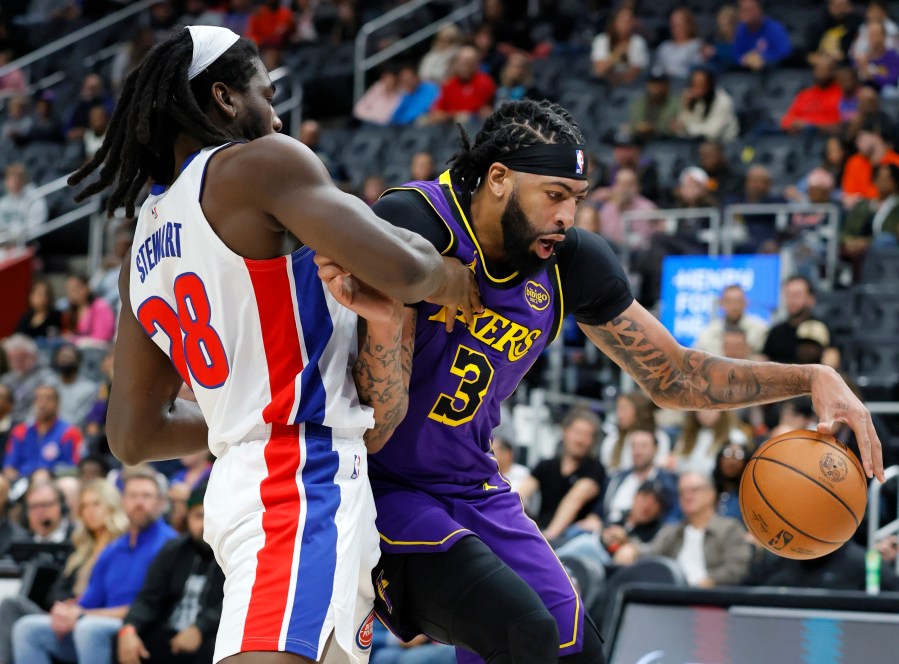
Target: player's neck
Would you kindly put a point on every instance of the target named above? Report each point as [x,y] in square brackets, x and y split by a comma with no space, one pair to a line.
[185,146]
[485,218]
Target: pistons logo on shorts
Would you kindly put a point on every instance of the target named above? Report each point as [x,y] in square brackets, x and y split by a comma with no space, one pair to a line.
[366,630]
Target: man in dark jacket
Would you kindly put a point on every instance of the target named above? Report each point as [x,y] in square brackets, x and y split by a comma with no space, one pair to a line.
[176,614]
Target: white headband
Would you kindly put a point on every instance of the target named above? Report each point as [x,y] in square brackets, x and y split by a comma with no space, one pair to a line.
[209,44]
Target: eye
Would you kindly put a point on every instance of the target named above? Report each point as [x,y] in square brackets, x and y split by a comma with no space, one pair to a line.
[554,195]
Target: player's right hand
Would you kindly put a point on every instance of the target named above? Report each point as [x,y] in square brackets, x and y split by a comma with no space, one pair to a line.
[459,292]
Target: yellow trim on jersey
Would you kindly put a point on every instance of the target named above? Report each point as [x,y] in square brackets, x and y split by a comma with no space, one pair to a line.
[398,543]
[445,179]
[416,189]
[561,304]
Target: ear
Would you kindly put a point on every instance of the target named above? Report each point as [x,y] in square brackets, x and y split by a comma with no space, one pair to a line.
[224,101]
[499,180]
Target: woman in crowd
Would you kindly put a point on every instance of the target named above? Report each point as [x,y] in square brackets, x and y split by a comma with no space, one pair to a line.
[729,466]
[707,111]
[620,55]
[632,411]
[435,64]
[100,520]
[42,321]
[89,321]
[678,55]
[705,433]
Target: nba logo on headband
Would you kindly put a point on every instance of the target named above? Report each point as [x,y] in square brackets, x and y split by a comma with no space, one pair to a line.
[579,158]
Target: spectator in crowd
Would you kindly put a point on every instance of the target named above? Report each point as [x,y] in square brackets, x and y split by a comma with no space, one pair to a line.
[20,210]
[70,486]
[874,220]
[703,435]
[817,106]
[493,58]
[176,614]
[516,80]
[467,93]
[304,31]
[719,54]
[91,468]
[162,19]
[76,393]
[654,114]
[877,10]
[729,466]
[707,111]
[129,55]
[45,514]
[833,37]
[516,473]
[879,64]
[570,482]
[422,167]
[42,320]
[13,82]
[84,630]
[104,282]
[634,411]
[93,93]
[100,520]
[622,487]
[416,97]
[725,180]
[310,136]
[198,12]
[693,190]
[799,300]
[270,25]
[683,51]
[867,110]
[10,531]
[178,495]
[196,470]
[797,413]
[847,79]
[25,373]
[620,55]
[95,422]
[436,63]
[346,22]
[380,101]
[45,125]
[733,305]
[238,14]
[89,320]
[875,147]
[627,152]
[19,120]
[587,218]
[372,188]
[710,549]
[45,442]
[826,176]
[625,198]
[760,41]
[6,424]
[97,123]
[760,229]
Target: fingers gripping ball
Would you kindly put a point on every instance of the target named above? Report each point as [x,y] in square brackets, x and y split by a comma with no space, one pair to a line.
[803,494]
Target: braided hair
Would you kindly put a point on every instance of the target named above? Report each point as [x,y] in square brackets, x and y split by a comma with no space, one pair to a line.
[513,125]
[156,104]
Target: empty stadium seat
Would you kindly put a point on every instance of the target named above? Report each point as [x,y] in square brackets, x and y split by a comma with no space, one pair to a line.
[877,311]
[881,266]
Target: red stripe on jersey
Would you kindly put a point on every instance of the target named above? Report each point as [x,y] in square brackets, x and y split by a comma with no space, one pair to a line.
[279,335]
[274,561]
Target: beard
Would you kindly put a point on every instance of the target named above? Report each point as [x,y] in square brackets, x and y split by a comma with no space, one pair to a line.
[518,236]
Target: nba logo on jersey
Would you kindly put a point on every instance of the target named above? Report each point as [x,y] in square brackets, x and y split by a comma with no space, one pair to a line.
[357,465]
[579,158]
[366,630]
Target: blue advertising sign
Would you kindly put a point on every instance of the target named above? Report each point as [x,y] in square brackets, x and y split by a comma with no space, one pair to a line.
[691,286]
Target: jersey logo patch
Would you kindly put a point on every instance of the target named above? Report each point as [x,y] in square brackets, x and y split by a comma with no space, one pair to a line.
[536,295]
[580,161]
[366,630]
[357,466]
[381,587]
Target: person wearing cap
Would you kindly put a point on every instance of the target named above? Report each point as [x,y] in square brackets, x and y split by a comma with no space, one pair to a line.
[653,114]
[707,110]
[710,549]
[782,342]
[176,614]
[875,147]
[812,338]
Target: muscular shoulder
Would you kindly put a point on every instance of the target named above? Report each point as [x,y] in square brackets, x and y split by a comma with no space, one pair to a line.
[270,161]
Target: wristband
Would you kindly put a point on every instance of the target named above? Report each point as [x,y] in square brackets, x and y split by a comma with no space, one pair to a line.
[126,629]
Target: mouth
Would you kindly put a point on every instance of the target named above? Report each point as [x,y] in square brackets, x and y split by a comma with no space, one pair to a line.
[547,245]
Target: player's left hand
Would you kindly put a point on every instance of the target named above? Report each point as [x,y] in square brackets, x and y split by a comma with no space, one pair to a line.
[834,402]
[356,295]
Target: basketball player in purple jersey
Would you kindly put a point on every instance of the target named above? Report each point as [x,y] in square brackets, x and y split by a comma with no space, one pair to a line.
[210,300]
[460,560]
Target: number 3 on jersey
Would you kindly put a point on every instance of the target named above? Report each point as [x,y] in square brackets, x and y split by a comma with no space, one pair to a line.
[194,346]
[476,373]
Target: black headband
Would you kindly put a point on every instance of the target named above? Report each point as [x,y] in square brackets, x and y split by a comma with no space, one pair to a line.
[567,160]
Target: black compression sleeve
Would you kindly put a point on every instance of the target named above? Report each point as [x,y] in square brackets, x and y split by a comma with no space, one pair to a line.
[594,284]
[410,210]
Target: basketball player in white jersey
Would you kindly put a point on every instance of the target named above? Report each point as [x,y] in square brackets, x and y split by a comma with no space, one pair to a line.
[266,347]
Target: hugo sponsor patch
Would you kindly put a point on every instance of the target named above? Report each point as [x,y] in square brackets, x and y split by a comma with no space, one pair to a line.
[536,295]
[365,632]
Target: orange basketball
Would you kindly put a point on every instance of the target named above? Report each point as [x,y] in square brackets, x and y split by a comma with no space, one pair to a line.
[803,494]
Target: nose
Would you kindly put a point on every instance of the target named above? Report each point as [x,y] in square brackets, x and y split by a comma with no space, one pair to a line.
[276,121]
[565,216]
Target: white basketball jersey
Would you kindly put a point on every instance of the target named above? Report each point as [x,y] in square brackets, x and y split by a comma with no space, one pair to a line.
[259,342]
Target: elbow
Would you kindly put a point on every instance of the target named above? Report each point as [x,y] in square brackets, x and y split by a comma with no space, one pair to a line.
[122,444]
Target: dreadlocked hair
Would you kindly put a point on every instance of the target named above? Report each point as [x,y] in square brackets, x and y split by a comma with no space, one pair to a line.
[514,125]
[156,104]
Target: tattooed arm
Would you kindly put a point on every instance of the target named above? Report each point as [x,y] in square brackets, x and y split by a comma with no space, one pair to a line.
[685,379]
[382,373]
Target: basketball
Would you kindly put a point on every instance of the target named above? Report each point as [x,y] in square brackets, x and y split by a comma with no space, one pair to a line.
[803,494]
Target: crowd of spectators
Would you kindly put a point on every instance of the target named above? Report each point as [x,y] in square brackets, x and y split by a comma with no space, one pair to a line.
[631,483]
